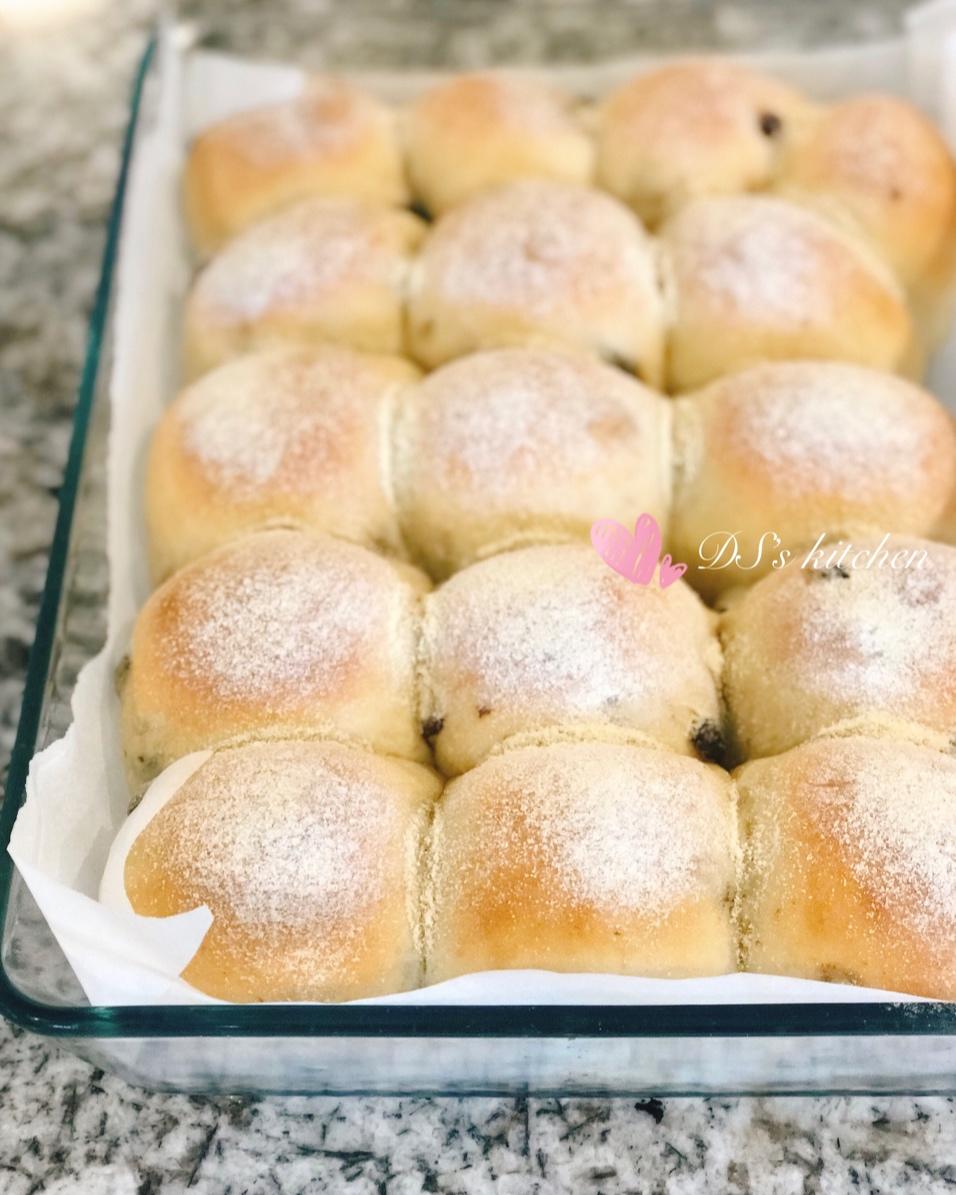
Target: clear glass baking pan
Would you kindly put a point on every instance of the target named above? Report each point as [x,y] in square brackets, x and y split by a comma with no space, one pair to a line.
[667,1050]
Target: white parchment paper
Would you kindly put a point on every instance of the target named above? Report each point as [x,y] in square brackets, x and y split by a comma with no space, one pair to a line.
[76,793]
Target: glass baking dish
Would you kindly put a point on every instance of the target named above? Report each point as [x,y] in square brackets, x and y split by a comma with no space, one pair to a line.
[665,1050]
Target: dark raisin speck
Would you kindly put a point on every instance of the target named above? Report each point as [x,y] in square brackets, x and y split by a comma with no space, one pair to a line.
[619,361]
[432,727]
[420,210]
[770,124]
[484,711]
[831,573]
[709,742]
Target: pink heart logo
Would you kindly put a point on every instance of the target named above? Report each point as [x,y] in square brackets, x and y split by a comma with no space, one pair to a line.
[670,572]
[632,554]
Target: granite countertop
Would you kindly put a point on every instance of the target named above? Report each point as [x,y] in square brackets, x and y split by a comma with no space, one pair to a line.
[66,1127]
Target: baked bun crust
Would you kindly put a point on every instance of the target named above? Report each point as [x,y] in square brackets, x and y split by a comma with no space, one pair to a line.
[290,436]
[479,130]
[330,269]
[945,529]
[692,129]
[521,446]
[278,634]
[545,642]
[756,278]
[878,162]
[796,450]
[810,648]
[543,263]
[307,856]
[583,857]
[850,865]
[332,139]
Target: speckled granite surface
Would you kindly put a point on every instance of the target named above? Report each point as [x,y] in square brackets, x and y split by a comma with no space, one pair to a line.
[65,1127]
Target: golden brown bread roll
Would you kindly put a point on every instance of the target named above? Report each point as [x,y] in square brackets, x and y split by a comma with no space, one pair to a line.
[475,131]
[329,269]
[873,163]
[522,446]
[543,263]
[332,139]
[548,641]
[809,648]
[850,864]
[287,436]
[583,857]
[782,453]
[756,278]
[278,634]
[692,129]
[307,856]
[876,162]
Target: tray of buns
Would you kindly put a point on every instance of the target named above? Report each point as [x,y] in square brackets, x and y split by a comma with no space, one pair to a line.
[531,549]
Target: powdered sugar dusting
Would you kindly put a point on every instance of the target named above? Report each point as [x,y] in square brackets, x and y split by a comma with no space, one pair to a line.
[553,631]
[280,836]
[882,145]
[764,258]
[540,247]
[277,618]
[300,255]
[496,420]
[673,103]
[496,103]
[894,807]
[615,827]
[833,428]
[329,117]
[880,639]
[280,419]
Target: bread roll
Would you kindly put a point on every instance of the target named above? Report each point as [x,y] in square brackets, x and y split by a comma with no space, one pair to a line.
[475,131]
[756,278]
[878,163]
[287,436]
[323,269]
[547,641]
[583,857]
[522,446]
[541,263]
[692,129]
[332,139]
[278,634]
[799,449]
[306,855]
[810,648]
[945,529]
[850,865]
